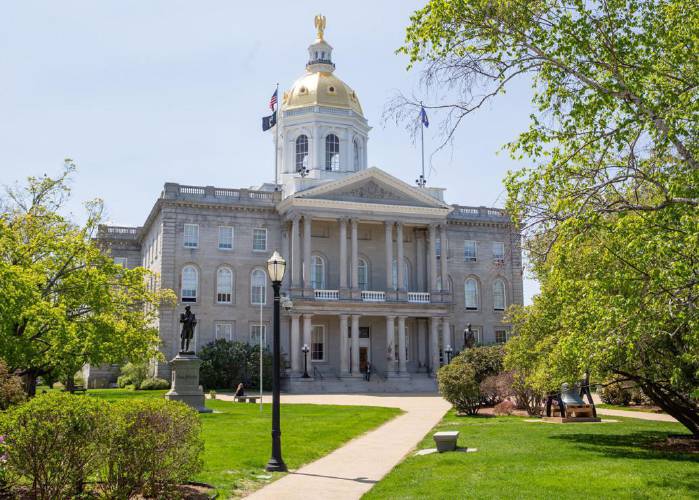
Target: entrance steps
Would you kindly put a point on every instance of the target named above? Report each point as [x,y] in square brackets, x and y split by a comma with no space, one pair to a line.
[413,383]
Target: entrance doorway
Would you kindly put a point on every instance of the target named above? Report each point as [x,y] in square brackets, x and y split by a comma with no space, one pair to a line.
[364,347]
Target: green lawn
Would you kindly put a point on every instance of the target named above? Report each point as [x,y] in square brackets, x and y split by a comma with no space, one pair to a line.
[237,436]
[519,459]
[628,408]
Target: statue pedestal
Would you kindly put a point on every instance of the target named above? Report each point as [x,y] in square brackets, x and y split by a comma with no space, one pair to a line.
[185,381]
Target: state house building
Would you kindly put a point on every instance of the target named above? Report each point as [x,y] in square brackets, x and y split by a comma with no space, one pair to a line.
[379,271]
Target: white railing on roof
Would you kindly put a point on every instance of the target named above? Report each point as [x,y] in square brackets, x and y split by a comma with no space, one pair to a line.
[327,294]
[373,296]
[419,297]
[192,190]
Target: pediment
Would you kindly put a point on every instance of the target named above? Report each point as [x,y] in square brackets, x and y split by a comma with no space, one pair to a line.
[372,186]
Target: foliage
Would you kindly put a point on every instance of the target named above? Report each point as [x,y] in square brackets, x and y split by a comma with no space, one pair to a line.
[153,445]
[225,364]
[615,393]
[154,384]
[132,374]
[496,388]
[504,408]
[56,442]
[65,302]
[458,385]
[486,360]
[527,397]
[11,391]
[3,473]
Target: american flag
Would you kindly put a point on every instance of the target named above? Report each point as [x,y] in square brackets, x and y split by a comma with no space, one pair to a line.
[273,101]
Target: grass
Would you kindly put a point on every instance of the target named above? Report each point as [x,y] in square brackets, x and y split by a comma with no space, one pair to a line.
[629,408]
[520,459]
[237,437]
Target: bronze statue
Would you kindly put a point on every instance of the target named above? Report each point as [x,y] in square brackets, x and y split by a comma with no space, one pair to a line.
[469,337]
[189,321]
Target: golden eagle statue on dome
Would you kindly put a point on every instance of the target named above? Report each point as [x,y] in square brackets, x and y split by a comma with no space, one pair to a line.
[319,22]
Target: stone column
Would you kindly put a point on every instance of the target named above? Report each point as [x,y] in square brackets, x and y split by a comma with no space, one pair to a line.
[343,254]
[443,258]
[390,344]
[402,355]
[295,343]
[295,252]
[355,257]
[433,258]
[400,259]
[420,265]
[421,343]
[434,345]
[307,327]
[344,351]
[388,229]
[306,253]
[446,334]
[355,346]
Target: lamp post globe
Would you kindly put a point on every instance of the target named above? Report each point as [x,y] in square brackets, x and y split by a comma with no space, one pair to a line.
[276,265]
[449,351]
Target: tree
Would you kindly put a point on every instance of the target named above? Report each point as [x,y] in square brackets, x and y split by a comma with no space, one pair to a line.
[609,204]
[65,302]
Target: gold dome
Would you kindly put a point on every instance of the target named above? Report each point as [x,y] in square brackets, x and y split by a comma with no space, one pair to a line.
[323,89]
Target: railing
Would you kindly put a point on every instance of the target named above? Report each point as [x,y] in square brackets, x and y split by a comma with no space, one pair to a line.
[373,296]
[478,212]
[327,294]
[212,193]
[419,297]
[119,232]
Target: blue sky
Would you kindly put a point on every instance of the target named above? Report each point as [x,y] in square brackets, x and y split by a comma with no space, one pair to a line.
[140,93]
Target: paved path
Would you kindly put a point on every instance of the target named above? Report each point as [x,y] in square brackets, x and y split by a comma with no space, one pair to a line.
[350,471]
[642,415]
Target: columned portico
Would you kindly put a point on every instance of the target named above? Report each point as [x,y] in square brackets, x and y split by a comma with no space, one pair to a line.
[295,343]
[390,344]
[400,260]
[443,258]
[343,257]
[355,345]
[344,354]
[355,258]
[307,328]
[402,351]
[307,253]
[388,234]
[432,244]
[446,334]
[434,344]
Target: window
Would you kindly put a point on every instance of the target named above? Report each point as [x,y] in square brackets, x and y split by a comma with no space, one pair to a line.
[258,287]
[225,238]
[471,294]
[498,251]
[357,155]
[438,246]
[121,261]
[258,332]
[406,277]
[259,239]
[332,152]
[500,336]
[318,343]
[190,284]
[191,235]
[363,271]
[301,152]
[470,251]
[317,272]
[224,286]
[499,295]
[224,331]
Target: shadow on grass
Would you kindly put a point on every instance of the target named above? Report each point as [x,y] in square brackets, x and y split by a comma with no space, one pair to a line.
[637,445]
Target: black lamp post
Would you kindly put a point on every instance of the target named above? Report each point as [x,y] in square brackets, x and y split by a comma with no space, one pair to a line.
[449,351]
[276,266]
[305,351]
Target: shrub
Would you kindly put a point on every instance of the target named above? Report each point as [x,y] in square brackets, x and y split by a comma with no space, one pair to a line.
[526,396]
[11,390]
[55,441]
[504,408]
[615,393]
[638,397]
[153,445]
[496,388]
[458,385]
[225,364]
[132,374]
[152,384]
[486,360]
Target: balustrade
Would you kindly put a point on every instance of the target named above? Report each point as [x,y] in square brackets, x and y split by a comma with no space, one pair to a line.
[373,296]
[327,294]
[419,297]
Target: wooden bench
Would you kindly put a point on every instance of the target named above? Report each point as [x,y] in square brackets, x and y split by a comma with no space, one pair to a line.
[248,399]
[76,389]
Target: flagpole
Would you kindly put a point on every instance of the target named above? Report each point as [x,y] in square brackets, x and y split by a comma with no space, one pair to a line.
[422,142]
[276,143]
[260,332]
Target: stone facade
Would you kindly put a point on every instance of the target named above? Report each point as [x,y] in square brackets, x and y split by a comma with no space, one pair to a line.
[343,228]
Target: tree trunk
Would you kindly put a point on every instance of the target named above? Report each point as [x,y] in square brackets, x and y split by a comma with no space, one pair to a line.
[29,381]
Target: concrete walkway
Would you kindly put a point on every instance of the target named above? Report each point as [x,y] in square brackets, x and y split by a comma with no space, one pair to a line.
[641,415]
[351,470]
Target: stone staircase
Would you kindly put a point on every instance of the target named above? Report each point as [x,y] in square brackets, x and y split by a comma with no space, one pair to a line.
[331,384]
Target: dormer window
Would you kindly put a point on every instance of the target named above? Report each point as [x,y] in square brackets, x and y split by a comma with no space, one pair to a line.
[331,90]
[303,90]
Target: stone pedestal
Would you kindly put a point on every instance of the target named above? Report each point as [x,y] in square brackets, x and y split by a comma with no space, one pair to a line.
[185,381]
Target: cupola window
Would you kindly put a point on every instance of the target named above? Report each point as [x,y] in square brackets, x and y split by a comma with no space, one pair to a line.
[332,152]
[301,152]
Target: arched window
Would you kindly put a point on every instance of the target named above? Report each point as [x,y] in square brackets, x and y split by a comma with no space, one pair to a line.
[406,275]
[224,286]
[499,300]
[471,294]
[258,287]
[317,272]
[190,284]
[357,155]
[301,152]
[439,284]
[363,269]
[332,152]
